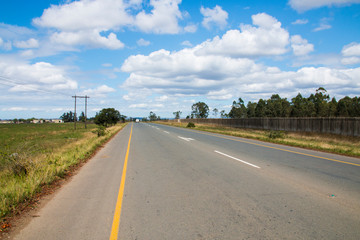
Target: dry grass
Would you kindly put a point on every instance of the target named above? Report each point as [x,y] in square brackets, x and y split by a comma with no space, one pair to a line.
[332,143]
[41,161]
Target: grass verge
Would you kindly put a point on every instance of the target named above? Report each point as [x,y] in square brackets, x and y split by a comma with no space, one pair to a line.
[32,156]
[349,146]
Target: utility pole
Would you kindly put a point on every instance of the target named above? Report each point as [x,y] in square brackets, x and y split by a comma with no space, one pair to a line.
[86,97]
[75,112]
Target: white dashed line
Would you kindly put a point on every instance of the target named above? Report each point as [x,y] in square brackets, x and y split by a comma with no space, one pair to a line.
[237,159]
[186,139]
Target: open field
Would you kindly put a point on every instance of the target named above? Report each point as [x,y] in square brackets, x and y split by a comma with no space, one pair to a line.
[33,155]
[349,146]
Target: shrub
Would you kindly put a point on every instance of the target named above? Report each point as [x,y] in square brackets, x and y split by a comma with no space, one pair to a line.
[276,134]
[190,125]
[100,131]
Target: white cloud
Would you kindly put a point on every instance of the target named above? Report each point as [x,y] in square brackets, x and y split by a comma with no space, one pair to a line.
[5,45]
[24,77]
[219,70]
[267,39]
[85,15]
[82,22]
[324,25]
[99,91]
[12,32]
[30,43]
[90,38]
[86,22]
[216,16]
[139,105]
[186,43]
[191,28]
[143,42]
[305,5]
[163,18]
[16,109]
[106,65]
[146,106]
[220,95]
[350,60]
[351,54]
[140,94]
[300,22]
[301,46]
[352,49]
[186,74]
[162,98]
[333,78]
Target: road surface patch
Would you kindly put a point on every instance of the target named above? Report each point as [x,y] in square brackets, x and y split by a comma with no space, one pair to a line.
[276,148]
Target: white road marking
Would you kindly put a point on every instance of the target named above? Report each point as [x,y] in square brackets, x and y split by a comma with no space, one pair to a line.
[166,132]
[186,139]
[237,159]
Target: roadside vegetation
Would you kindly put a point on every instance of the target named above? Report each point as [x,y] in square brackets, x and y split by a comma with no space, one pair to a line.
[34,155]
[349,146]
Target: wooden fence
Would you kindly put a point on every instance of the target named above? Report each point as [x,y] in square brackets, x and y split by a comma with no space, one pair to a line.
[340,125]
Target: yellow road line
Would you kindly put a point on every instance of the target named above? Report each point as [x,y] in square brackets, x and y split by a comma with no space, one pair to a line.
[116,220]
[280,149]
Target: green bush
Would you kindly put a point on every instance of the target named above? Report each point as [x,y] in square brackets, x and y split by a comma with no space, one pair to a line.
[190,125]
[100,130]
[276,134]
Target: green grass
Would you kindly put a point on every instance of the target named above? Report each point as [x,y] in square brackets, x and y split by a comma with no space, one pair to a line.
[33,155]
[349,146]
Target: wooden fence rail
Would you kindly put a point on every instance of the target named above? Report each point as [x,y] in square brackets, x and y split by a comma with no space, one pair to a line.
[340,125]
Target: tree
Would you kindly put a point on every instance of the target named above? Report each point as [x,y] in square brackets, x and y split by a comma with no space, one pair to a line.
[298,106]
[223,114]
[344,108]
[67,117]
[277,107]
[356,107]
[321,100]
[177,114]
[332,107]
[238,110]
[251,109]
[82,117]
[215,110]
[152,116]
[200,110]
[260,110]
[107,116]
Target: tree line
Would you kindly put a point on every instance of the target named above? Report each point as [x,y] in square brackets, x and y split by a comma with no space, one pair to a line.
[107,116]
[318,104]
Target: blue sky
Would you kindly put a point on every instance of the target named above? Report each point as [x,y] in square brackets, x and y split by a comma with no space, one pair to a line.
[164,55]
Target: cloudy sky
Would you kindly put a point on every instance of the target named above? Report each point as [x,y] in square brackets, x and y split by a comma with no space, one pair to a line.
[164,55]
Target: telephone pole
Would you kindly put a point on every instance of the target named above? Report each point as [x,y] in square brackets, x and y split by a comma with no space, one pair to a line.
[86,97]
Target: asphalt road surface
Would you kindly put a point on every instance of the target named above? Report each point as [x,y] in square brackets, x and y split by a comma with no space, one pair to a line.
[159,182]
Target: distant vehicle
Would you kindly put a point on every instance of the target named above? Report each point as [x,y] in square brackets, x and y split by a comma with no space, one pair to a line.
[137,120]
